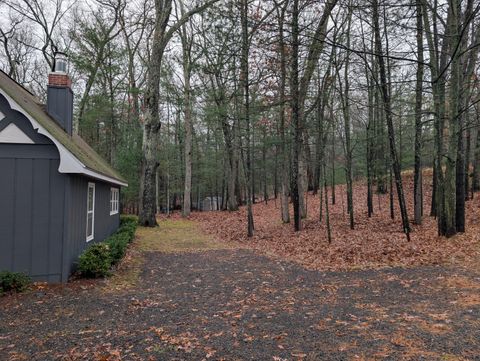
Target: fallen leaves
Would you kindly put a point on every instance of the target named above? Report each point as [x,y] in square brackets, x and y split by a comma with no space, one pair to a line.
[184,341]
[375,242]
[468,300]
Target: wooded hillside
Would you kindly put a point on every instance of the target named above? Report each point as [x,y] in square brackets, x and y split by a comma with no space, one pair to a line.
[245,101]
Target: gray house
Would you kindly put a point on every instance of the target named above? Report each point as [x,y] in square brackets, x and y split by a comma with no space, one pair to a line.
[57,195]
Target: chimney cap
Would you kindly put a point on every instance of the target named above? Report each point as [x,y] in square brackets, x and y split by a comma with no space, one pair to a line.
[60,63]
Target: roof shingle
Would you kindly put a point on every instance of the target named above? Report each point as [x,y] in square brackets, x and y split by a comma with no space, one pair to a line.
[74,144]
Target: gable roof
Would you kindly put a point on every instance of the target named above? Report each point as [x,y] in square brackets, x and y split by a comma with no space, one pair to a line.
[76,156]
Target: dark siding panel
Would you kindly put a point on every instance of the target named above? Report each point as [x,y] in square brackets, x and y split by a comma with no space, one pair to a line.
[57,194]
[41,214]
[77,216]
[105,224]
[66,266]
[22,255]
[32,194]
[7,181]
[60,106]
[25,151]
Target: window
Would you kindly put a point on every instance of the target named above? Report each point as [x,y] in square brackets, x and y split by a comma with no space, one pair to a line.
[114,196]
[90,210]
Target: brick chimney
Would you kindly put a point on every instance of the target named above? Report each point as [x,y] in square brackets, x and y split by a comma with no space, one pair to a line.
[59,94]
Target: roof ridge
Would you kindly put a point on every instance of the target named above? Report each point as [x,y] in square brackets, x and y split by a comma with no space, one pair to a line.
[74,144]
[20,85]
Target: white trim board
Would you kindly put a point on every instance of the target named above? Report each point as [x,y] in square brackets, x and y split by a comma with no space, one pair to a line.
[91,185]
[68,162]
[13,134]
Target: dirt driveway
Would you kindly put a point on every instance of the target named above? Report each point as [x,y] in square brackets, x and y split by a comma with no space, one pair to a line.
[181,296]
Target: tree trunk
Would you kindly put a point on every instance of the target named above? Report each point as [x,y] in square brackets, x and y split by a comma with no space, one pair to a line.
[284,178]
[187,103]
[388,113]
[345,99]
[295,105]
[246,97]
[417,178]
[151,127]
[455,177]
[333,160]
[327,213]
[299,88]
[370,145]
[264,163]
[476,161]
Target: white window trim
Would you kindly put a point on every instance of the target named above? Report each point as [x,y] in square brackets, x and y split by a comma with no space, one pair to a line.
[115,201]
[89,238]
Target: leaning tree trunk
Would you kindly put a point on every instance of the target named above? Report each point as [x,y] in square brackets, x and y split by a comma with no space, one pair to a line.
[438,64]
[346,114]
[299,88]
[463,99]
[388,113]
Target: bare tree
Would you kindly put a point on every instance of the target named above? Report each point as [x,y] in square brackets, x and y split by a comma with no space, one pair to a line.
[46,15]
[186,37]
[151,127]
[388,114]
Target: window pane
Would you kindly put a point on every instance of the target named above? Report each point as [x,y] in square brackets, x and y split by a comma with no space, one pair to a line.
[114,198]
[89,225]
[90,199]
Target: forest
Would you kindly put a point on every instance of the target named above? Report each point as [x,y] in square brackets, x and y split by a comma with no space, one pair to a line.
[241,102]
[303,180]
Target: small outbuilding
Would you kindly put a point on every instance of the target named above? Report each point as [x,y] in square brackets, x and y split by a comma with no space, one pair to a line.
[210,204]
[57,195]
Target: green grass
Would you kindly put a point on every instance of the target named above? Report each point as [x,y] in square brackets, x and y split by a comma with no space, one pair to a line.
[171,236]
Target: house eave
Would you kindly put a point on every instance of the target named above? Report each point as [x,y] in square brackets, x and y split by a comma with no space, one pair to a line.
[69,164]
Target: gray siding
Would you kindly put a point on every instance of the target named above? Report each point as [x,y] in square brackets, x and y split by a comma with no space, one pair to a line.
[105,224]
[32,194]
[42,212]
[60,106]
[32,214]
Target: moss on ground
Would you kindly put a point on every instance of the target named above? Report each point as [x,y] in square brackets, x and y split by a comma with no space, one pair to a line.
[171,236]
[177,235]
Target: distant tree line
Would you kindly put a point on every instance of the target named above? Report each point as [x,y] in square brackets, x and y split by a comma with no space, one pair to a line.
[247,101]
